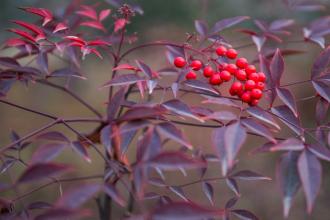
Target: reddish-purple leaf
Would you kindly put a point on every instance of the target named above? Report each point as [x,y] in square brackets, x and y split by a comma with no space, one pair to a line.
[290,144]
[320,151]
[201,86]
[248,175]
[7,164]
[221,116]
[47,152]
[221,101]
[322,89]
[232,184]
[288,118]
[137,113]
[244,214]
[280,24]
[60,27]
[174,160]
[53,136]
[288,178]
[9,62]
[227,22]
[231,202]
[259,41]
[180,108]
[218,136]
[321,62]
[201,27]
[263,116]
[277,67]
[183,211]
[288,99]
[258,128]
[115,103]
[23,34]
[321,110]
[42,61]
[179,192]
[39,205]
[67,72]
[172,132]
[63,213]
[104,14]
[144,68]
[42,12]
[40,171]
[310,172]
[235,136]
[93,24]
[81,150]
[111,191]
[208,191]
[125,66]
[123,80]
[30,27]
[120,24]
[77,196]
[148,146]
[88,12]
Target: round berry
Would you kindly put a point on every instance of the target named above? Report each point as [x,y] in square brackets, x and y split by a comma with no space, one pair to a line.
[254,102]
[232,92]
[237,87]
[179,62]
[231,68]
[231,54]
[225,76]
[196,65]
[260,85]
[242,63]
[249,85]
[254,77]
[221,51]
[222,66]
[241,75]
[262,77]
[246,96]
[191,75]
[215,79]
[208,71]
[256,93]
[250,69]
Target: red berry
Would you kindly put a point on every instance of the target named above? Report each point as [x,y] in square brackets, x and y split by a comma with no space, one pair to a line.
[232,92]
[237,87]
[215,79]
[242,63]
[240,93]
[262,77]
[208,71]
[241,75]
[246,97]
[250,69]
[249,85]
[260,85]
[196,65]
[191,75]
[222,66]
[179,62]
[256,93]
[231,54]
[221,51]
[231,68]
[225,76]
[254,102]
[254,77]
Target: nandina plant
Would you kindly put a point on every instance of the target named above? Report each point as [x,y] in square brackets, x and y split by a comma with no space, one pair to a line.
[241,97]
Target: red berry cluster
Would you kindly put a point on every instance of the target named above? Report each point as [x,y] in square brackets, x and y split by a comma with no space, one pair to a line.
[248,84]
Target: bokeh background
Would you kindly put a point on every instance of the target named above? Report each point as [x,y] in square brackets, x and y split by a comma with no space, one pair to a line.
[170,20]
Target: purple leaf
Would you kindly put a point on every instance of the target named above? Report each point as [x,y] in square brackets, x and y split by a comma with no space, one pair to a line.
[280,24]
[321,62]
[277,67]
[248,175]
[310,172]
[320,151]
[221,101]
[7,164]
[235,136]
[47,152]
[105,137]
[39,205]
[258,128]
[227,22]
[258,41]
[111,191]
[172,132]
[81,150]
[180,108]
[53,136]
[42,61]
[148,146]
[321,110]
[183,211]
[208,191]
[218,143]
[291,144]
[179,192]
[263,116]
[288,118]
[200,85]
[144,68]
[174,160]
[67,72]
[288,99]
[138,113]
[128,132]
[115,103]
[231,202]
[288,178]
[201,27]
[77,196]
[221,116]
[123,80]
[9,62]
[244,214]
[62,213]
[40,171]
[322,89]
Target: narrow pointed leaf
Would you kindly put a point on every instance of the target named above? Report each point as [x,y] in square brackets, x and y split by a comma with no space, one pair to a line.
[320,151]
[277,67]
[81,150]
[47,152]
[263,116]
[123,80]
[288,118]
[111,191]
[227,22]
[180,108]
[288,99]
[258,129]
[208,191]
[248,175]
[291,144]
[172,132]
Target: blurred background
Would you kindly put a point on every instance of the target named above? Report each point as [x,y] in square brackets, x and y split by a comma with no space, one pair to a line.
[170,20]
